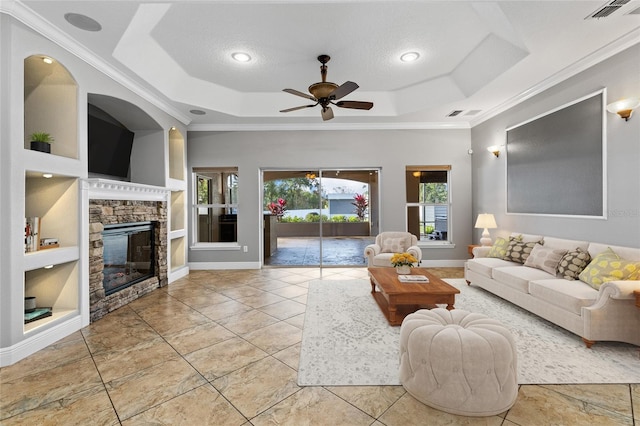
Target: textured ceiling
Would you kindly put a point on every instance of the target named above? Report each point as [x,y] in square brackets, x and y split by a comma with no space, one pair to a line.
[474,56]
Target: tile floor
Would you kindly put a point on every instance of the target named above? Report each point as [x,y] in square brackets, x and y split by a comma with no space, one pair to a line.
[221,348]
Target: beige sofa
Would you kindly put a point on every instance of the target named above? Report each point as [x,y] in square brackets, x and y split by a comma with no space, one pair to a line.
[388,243]
[606,314]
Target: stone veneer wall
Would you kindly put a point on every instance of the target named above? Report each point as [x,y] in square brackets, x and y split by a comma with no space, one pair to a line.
[109,212]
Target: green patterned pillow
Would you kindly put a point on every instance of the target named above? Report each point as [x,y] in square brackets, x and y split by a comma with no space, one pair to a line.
[608,266]
[573,263]
[499,248]
[518,251]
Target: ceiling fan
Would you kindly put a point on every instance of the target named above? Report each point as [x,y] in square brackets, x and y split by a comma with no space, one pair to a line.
[325,93]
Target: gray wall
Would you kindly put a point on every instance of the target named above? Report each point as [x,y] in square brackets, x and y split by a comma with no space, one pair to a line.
[620,75]
[389,150]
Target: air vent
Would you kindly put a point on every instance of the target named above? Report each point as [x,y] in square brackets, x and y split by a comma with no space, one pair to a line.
[454,113]
[607,9]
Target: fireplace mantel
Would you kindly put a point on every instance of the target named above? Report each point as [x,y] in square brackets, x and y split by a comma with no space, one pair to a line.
[104,189]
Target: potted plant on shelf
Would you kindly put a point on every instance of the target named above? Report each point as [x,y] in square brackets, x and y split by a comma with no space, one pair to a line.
[41,141]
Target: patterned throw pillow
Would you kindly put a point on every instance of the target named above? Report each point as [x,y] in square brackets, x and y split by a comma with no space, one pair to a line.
[573,263]
[518,251]
[545,258]
[394,245]
[608,266]
[499,248]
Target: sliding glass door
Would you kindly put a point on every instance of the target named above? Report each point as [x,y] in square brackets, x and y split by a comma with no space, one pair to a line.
[320,217]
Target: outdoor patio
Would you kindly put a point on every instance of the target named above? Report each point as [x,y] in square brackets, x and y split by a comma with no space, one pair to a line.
[336,251]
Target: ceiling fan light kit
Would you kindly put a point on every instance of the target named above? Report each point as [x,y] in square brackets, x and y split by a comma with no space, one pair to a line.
[324,93]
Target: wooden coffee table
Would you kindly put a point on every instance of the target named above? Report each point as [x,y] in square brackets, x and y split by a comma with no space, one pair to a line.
[397,299]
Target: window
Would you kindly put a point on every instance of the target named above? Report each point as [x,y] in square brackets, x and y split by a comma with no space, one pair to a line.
[428,202]
[216,204]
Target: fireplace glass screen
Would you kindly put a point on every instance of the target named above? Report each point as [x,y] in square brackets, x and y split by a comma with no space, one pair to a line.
[128,252]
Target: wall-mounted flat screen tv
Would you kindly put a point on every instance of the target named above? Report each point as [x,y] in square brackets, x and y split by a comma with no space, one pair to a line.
[110,144]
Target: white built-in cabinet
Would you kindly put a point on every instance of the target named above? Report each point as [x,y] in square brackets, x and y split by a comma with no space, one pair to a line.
[51,186]
[177,206]
[51,193]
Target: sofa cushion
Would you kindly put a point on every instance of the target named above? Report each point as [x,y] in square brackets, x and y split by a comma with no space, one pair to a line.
[518,277]
[382,259]
[561,243]
[395,245]
[545,258]
[629,253]
[569,295]
[608,266]
[518,251]
[484,265]
[573,263]
[499,248]
[527,238]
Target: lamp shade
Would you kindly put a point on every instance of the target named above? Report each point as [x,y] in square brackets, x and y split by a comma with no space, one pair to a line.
[486,220]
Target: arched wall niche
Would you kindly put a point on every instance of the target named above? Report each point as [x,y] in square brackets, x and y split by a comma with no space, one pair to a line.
[51,104]
[148,149]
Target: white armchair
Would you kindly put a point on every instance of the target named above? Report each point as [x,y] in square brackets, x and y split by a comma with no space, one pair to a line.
[388,243]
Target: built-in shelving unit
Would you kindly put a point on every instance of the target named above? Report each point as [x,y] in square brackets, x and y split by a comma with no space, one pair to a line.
[177,206]
[51,192]
[57,187]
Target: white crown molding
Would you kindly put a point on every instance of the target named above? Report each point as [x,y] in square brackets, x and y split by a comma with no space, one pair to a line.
[37,23]
[103,189]
[325,126]
[630,39]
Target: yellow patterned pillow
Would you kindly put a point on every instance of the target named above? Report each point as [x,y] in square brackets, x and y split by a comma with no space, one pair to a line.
[499,248]
[608,266]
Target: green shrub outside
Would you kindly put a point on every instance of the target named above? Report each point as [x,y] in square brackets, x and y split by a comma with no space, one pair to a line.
[315,218]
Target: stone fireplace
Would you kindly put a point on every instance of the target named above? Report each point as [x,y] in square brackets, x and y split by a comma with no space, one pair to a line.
[108,212]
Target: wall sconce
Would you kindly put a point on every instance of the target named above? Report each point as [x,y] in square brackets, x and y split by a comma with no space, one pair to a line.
[495,150]
[624,108]
[486,221]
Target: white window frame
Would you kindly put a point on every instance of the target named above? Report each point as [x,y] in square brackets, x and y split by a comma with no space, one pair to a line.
[448,242]
[227,206]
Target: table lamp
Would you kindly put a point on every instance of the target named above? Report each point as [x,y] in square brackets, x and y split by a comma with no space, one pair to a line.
[486,221]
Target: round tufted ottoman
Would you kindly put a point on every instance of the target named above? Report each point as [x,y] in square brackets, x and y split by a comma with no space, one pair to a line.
[459,362]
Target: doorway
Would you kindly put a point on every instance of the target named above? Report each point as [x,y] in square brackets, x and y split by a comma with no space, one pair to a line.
[319,217]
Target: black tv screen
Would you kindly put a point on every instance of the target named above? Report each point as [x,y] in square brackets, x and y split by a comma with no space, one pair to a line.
[109,144]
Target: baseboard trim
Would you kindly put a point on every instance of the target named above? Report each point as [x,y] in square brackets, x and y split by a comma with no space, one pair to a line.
[33,344]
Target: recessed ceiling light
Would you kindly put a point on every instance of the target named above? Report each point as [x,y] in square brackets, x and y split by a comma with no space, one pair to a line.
[47,175]
[197,112]
[241,57]
[409,57]
[82,21]
[47,60]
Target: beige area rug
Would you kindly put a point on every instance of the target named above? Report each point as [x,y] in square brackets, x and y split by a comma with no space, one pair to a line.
[347,341]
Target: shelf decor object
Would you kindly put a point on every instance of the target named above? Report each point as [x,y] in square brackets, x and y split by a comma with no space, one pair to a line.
[41,141]
[37,314]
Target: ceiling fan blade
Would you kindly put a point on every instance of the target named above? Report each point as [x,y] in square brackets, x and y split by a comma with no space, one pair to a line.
[343,90]
[297,108]
[327,113]
[298,93]
[354,104]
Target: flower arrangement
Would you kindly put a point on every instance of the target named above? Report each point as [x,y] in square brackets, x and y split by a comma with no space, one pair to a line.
[403,259]
[277,208]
